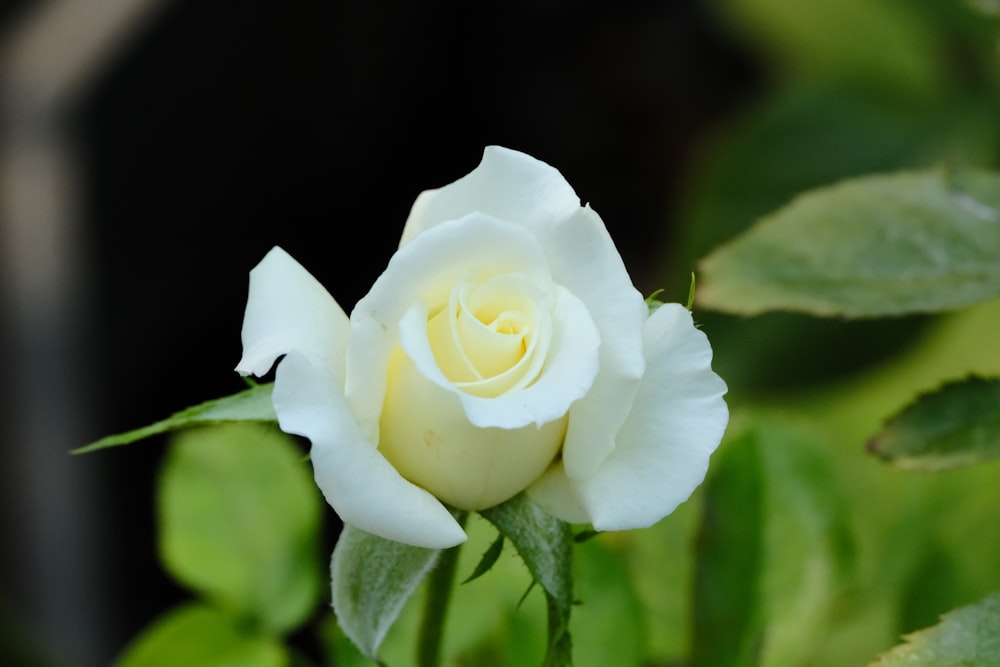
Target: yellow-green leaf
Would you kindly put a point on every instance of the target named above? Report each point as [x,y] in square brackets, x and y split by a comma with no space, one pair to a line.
[239,522]
[200,635]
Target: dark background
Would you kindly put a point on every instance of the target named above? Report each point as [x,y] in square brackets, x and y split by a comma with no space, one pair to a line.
[223,128]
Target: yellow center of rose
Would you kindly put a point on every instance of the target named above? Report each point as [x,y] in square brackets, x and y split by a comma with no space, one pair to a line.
[491,338]
[481,338]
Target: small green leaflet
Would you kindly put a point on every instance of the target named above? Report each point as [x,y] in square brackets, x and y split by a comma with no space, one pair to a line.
[958,424]
[545,544]
[372,579]
[253,404]
[966,636]
[911,242]
[489,558]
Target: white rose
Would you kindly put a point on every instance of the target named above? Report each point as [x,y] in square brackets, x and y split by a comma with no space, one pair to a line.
[503,349]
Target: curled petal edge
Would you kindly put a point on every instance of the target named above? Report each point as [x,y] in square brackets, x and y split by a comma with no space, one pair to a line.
[356,480]
[662,451]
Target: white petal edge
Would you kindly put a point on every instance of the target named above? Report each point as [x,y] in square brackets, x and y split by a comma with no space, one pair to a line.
[567,375]
[585,260]
[507,184]
[357,481]
[288,309]
[662,451]
[426,271]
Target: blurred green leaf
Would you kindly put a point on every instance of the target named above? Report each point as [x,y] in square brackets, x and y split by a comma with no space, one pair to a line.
[803,136]
[372,579]
[958,424]
[881,245]
[729,549]
[965,637]
[545,544]
[253,404]
[609,621]
[239,521]
[200,635]
[868,41]
[809,554]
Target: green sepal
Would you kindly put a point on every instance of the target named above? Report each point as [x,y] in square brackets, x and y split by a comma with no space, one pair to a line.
[253,404]
[372,579]
[489,558]
[955,425]
[545,544]
[691,290]
[965,636]
[652,303]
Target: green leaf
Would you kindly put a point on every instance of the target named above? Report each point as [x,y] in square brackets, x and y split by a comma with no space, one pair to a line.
[608,622]
[895,244]
[886,44]
[729,559]
[253,404]
[488,560]
[545,544]
[965,637]
[372,579]
[958,424]
[239,520]
[200,635]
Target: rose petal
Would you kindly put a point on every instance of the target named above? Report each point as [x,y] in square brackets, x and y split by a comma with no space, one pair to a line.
[585,260]
[677,420]
[287,309]
[425,434]
[519,189]
[507,185]
[425,272]
[569,370]
[357,481]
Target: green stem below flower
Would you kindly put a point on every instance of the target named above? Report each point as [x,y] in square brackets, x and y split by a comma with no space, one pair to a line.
[439,587]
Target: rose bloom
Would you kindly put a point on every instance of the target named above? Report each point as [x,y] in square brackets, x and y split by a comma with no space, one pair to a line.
[504,349]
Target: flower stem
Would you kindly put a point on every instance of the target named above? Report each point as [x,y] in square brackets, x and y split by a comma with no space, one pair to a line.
[439,587]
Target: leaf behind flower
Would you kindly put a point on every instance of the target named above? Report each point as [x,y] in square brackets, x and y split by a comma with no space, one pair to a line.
[901,243]
[253,404]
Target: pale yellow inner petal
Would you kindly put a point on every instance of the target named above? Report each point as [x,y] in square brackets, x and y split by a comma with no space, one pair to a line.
[484,339]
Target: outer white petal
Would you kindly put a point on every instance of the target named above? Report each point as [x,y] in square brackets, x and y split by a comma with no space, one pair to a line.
[507,185]
[364,489]
[585,260]
[677,420]
[426,271]
[288,309]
